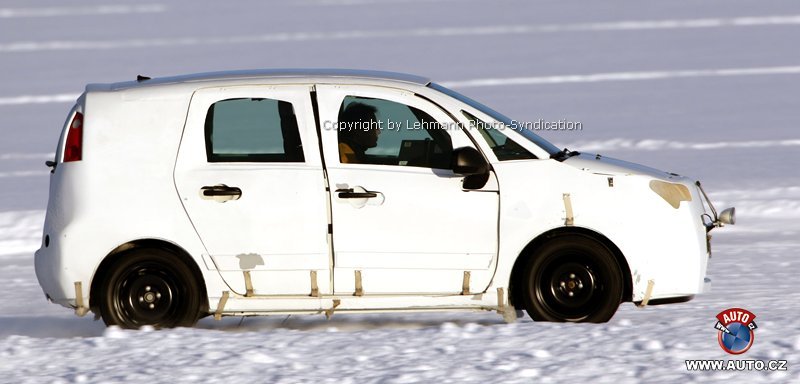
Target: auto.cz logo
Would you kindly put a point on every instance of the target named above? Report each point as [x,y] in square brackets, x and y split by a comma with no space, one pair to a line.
[736,326]
[735,335]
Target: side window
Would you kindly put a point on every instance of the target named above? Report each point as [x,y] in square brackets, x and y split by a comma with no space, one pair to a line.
[503,147]
[377,131]
[252,130]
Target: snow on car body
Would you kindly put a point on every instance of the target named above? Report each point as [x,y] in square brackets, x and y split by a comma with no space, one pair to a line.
[229,194]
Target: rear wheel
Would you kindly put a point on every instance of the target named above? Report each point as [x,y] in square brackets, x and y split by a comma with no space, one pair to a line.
[573,278]
[150,287]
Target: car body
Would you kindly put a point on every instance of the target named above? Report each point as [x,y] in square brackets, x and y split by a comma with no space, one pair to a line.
[230,194]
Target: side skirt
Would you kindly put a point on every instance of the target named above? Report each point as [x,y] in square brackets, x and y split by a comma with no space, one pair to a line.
[237,305]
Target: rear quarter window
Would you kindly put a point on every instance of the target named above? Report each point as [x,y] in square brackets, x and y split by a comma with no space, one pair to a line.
[252,130]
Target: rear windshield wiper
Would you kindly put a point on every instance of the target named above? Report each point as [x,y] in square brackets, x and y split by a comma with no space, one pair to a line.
[564,154]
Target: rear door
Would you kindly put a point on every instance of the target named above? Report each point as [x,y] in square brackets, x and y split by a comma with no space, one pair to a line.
[250,178]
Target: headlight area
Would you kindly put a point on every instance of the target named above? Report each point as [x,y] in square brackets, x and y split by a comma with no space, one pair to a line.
[672,193]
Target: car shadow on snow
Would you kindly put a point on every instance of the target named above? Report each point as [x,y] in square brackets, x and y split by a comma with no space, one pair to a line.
[75,327]
[50,327]
[348,322]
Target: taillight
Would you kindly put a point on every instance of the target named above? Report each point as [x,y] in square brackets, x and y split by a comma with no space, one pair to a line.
[73,149]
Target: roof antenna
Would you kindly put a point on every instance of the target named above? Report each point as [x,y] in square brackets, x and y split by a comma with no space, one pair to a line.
[141,78]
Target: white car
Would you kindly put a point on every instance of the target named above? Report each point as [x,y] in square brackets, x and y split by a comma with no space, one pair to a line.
[322,191]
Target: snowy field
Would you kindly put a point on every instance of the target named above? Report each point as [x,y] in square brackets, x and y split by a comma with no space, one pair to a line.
[703,88]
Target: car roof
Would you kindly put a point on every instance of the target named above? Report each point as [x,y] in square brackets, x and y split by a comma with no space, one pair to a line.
[322,73]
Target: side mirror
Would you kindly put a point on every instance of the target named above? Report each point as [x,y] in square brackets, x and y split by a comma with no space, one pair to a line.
[468,161]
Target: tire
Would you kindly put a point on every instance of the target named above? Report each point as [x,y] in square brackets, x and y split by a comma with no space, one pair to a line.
[149,287]
[573,278]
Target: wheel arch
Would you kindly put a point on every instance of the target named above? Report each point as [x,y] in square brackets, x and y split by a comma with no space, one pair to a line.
[108,262]
[515,295]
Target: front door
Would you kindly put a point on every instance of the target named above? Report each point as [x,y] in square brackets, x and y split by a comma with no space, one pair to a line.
[402,222]
[250,177]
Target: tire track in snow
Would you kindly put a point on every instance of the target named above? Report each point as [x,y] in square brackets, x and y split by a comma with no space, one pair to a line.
[622,76]
[20,232]
[39,99]
[497,82]
[365,2]
[27,156]
[109,9]
[4,175]
[660,145]
[486,30]
[769,203]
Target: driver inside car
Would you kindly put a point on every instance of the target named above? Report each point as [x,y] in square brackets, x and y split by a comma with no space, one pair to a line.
[359,129]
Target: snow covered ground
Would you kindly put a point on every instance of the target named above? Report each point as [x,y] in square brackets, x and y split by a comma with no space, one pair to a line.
[707,89]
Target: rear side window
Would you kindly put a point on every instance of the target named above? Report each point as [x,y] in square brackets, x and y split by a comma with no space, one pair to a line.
[252,130]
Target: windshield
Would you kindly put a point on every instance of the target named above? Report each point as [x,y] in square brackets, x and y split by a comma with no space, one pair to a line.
[527,133]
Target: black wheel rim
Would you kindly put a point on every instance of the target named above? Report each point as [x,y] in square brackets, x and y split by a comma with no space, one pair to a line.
[570,286]
[148,294]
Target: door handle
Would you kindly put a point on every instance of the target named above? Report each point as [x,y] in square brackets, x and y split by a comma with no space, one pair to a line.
[347,193]
[221,193]
[221,190]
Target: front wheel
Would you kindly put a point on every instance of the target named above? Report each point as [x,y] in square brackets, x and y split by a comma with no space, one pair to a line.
[573,278]
[149,287]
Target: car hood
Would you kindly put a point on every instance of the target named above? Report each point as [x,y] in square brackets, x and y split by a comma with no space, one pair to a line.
[614,167]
